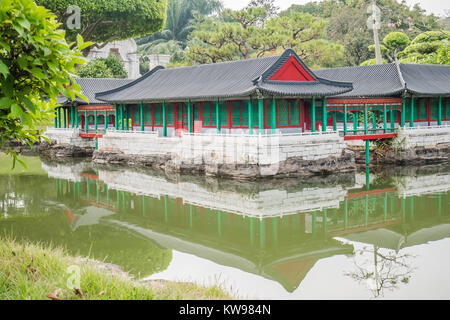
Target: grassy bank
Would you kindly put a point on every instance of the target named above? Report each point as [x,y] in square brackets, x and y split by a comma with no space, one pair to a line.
[32,271]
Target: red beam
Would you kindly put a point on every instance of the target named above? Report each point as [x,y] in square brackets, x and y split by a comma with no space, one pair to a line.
[88,108]
[89,175]
[370,192]
[371,136]
[341,101]
[91,135]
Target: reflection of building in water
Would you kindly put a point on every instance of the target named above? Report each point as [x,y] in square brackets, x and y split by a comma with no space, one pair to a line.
[277,230]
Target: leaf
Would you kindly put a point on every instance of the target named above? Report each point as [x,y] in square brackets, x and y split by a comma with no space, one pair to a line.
[85,45]
[29,104]
[5,103]
[24,23]
[16,110]
[4,69]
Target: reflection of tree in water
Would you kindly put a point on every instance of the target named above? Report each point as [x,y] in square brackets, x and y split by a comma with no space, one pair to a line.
[381,271]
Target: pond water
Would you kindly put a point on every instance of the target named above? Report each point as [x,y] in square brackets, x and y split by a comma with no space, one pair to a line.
[356,235]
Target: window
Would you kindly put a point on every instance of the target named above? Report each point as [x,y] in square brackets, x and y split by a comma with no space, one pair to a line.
[137,114]
[157,108]
[91,119]
[422,109]
[101,119]
[223,107]
[294,110]
[169,108]
[148,114]
[288,113]
[283,113]
[110,118]
[209,114]
[196,111]
[435,109]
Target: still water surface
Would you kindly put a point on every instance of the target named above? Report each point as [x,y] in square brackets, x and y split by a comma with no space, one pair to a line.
[354,235]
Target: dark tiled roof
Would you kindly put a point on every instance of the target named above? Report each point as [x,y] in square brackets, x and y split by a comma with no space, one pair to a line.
[426,79]
[386,79]
[90,86]
[368,81]
[218,80]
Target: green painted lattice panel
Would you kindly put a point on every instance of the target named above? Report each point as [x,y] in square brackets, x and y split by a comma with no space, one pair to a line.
[136,115]
[157,114]
[245,114]
[206,114]
[255,113]
[295,113]
[283,113]
[434,109]
[423,109]
[196,112]
[223,114]
[169,113]
[148,114]
[236,113]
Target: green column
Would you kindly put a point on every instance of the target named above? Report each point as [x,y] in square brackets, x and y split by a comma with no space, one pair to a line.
[345,120]
[374,121]
[262,233]
[391,116]
[86,121]
[367,152]
[71,116]
[313,115]
[384,118]
[365,120]
[95,121]
[141,117]
[122,122]
[411,120]
[250,116]
[105,117]
[218,116]
[189,116]
[165,119]
[65,117]
[403,113]
[334,121]
[355,121]
[116,116]
[56,119]
[439,120]
[127,117]
[261,115]
[273,115]
[59,117]
[324,114]
[75,114]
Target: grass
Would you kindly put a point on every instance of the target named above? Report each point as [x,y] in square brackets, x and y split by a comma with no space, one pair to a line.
[32,271]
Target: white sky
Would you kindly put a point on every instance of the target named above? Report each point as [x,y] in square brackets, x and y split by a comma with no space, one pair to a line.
[431,6]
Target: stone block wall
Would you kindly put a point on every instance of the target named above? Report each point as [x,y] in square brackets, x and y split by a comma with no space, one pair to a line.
[69,136]
[424,137]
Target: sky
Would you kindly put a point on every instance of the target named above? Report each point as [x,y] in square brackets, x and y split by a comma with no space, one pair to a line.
[437,7]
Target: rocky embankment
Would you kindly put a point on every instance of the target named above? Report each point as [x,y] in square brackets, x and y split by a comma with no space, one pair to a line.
[54,150]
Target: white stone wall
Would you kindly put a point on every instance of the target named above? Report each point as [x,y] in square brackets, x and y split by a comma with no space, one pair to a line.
[424,137]
[138,143]
[259,149]
[63,171]
[229,149]
[69,136]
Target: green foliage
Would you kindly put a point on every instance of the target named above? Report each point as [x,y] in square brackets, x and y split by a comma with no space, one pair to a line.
[104,21]
[396,40]
[95,69]
[370,62]
[429,47]
[36,65]
[247,33]
[110,67]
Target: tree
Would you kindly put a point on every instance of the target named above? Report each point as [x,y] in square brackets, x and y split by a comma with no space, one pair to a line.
[428,47]
[106,21]
[36,65]
[110,67]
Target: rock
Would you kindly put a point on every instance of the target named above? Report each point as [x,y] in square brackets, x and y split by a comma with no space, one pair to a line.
[63,150]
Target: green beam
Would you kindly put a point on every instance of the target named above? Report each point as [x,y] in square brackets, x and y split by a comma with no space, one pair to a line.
[141,117]
[411,120]
[273,115]
[324,114]
[439,120]
[313,115]
[250,117]
[218,116]
[165,120]
[261,115]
